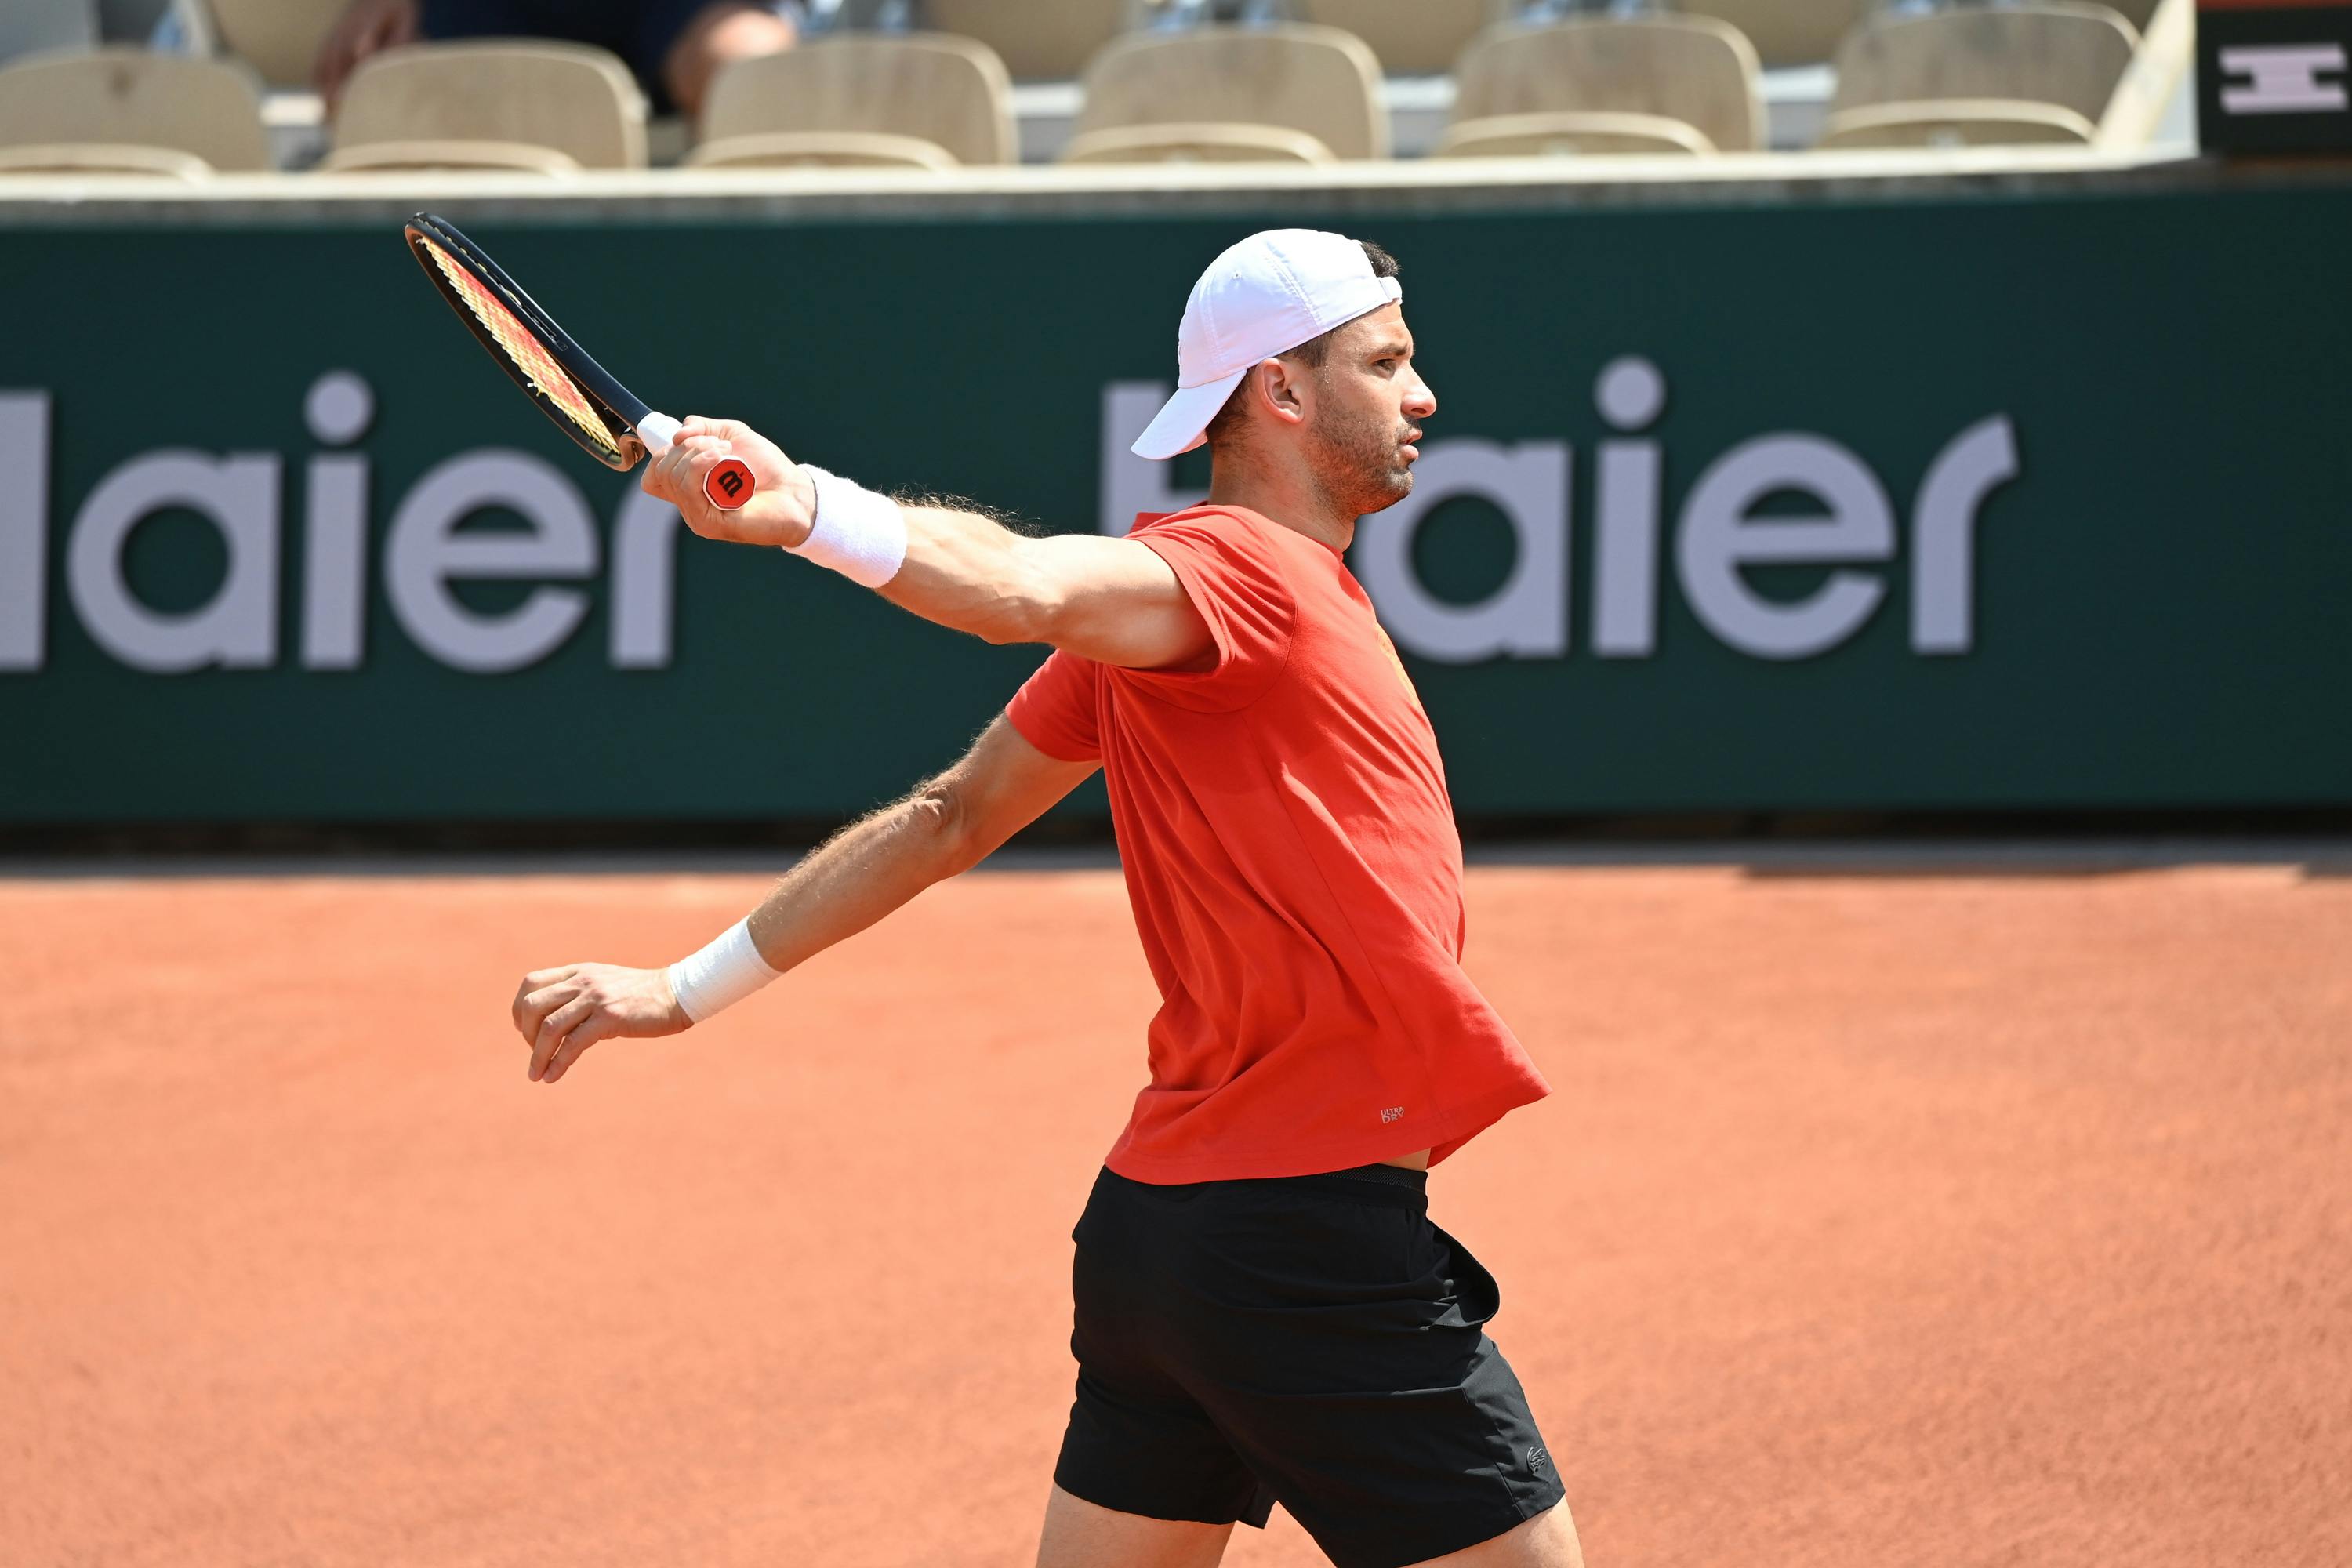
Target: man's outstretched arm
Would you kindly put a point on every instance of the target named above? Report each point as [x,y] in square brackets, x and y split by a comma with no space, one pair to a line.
[949,825]
[1110,600]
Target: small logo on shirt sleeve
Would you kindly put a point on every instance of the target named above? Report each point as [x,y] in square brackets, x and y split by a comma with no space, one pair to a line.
[1391,1113]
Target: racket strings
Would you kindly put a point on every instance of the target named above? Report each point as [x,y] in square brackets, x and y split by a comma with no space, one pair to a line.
[523,349]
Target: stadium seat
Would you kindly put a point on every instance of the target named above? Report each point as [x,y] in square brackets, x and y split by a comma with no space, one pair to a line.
[1607,84]
[1285,92]
[914,99]
[279,38]
[101,158]
[1410,37]
[1038,40]
[1210,143]
[1957,122]
[2038,71]
[1788,32]
[541,107]
[2162,72]
[129,112]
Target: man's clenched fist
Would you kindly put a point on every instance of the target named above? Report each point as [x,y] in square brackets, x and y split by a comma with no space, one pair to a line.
[779,514]
[561,1012]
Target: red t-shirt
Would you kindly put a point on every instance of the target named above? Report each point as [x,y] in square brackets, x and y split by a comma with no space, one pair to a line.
[1296,879]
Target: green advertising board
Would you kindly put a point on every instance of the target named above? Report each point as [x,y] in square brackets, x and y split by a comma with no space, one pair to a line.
[1974,500]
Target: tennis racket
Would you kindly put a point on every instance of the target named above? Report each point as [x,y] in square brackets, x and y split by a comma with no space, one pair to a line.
[608,421]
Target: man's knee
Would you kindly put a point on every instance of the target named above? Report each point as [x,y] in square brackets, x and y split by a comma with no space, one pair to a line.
[1080,1534]
[721,33]
[1547,1541]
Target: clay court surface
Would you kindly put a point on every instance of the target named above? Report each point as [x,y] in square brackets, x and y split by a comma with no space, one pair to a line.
[1876,1221]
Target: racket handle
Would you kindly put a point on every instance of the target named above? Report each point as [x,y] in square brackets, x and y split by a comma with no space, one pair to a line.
[727,486]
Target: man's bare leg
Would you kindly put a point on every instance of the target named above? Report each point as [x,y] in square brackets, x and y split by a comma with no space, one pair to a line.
[1079,1534]
[1547,1541]
[718,35]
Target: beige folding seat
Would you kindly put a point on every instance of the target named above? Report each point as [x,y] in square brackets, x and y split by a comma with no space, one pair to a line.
[1607,84]
[279,38]
[1289,93]
[101,158]
[548,107]
[126,110]
[2138,113]
[909,100]
[2035,72]
[1788,32]
[1038,40]
[1410,37]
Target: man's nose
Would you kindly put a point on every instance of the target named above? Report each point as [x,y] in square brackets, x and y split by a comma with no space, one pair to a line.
[1420,402]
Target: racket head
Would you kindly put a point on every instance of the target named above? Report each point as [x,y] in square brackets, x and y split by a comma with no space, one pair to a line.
[571,388]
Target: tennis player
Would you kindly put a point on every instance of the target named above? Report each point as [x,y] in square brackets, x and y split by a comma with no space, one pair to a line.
[1263,1311]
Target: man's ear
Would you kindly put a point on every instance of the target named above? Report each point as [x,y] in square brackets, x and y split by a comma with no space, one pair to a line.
[1279,386]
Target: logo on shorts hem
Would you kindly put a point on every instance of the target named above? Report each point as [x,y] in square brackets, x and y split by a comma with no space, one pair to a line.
[1536,1460]
[1391,1113]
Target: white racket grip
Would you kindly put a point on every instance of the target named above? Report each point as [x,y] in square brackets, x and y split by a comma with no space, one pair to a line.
[727,486]
[659,432]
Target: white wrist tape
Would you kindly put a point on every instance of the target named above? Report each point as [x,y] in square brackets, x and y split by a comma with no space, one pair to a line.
[859,535]
[721,974]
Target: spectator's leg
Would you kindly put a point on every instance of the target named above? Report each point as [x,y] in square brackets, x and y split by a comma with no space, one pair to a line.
[714,36]
[365,28]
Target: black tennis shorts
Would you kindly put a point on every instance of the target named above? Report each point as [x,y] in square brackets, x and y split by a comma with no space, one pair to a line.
[1311,1341]
[642,32]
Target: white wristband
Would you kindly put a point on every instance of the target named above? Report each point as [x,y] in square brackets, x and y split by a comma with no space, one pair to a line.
[721,974]
[857,533]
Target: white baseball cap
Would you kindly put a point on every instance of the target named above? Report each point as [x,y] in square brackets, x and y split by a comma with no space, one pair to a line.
[1266,296]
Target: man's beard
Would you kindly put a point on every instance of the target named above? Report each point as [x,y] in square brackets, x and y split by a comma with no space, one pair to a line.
[1357,461]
